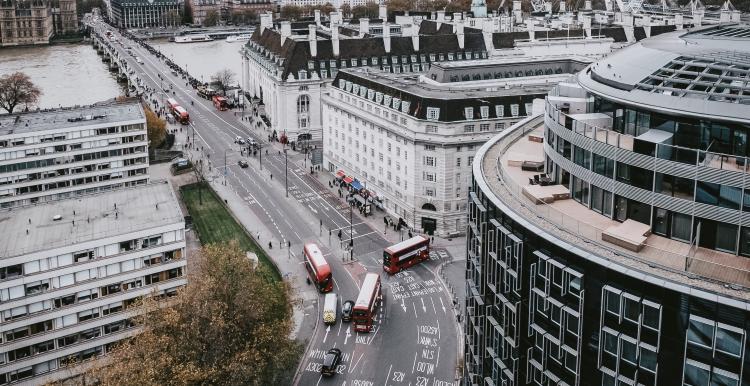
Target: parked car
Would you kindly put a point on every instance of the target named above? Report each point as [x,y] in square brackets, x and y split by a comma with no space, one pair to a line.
[330,361]
[251,142]
[346,311]
[243,164]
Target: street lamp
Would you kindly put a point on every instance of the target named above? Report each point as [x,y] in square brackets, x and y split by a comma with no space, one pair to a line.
[351,234]
[286,172]
[225,166]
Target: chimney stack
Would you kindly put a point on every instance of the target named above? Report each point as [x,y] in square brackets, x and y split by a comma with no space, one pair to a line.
[460,34]
[587,26]
[440,17]
[562,7]
[457,16]
[266,21]
[587,5]
[413,32]
[364,26]
[286,30]
[313,38]
[678,21]
[530,28]
[517,12]
[387,37]
[335,40]
[383,12]
[317,17]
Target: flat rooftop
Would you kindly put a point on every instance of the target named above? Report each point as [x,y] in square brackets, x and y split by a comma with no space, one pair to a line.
[102,113]
[421,86]
[87,218]
[577,227]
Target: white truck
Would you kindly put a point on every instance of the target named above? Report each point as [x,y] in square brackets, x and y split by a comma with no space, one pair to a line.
[330,309]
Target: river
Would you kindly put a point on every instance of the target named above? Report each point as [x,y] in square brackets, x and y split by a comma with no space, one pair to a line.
[75,75]
[71,74]
[204,59]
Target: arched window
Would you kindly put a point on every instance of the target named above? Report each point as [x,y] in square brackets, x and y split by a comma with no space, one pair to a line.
[303,104]
[428,206]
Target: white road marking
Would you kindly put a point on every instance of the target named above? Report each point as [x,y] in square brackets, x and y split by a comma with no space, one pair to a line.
[389,374]
[415,309]
[433,305]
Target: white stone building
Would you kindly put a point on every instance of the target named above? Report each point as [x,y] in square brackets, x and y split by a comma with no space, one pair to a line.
[290,66]
[411,139]
[60,153]
[70,270]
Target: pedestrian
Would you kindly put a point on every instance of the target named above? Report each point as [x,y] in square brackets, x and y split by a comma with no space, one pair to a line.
[272,176]
[258,235]
[270,245]
[432,239]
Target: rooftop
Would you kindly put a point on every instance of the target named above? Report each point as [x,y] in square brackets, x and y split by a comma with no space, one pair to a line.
[707,68]
[87,218]
[573,226]
[102,113]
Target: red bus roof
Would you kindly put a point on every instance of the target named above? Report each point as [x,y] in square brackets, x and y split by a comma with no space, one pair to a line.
[367,291]
[219,98]
[180,110]
[171,102]
[406,244]
[316,257]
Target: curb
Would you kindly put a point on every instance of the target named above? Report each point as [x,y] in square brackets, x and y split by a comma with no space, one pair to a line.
[459,328]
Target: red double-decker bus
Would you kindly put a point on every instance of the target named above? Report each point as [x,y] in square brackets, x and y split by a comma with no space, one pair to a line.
[318,268]
[367,303]
[405,254]
[220,103]
[181,115]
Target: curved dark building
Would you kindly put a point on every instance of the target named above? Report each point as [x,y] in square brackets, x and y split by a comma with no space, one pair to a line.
[609,237]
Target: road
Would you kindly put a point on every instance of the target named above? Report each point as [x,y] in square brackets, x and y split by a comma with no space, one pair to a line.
[414,341]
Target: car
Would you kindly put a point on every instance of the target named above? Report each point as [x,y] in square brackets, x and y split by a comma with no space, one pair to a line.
[243,164]
[251,142]
[241,141]
[346,311]
[237,139]
[330,361]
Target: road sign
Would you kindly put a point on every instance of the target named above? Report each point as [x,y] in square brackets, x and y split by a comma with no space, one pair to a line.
[317,156]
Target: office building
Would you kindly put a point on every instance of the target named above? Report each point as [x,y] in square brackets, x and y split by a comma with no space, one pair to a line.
[410,139]
[146,13]
[624,261]
[57,153]
[71,270]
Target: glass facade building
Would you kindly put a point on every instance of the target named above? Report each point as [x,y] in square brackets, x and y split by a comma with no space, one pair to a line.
[554,295]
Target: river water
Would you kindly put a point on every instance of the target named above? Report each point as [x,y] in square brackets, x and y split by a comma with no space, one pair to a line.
[203,59]
[75,75]
[71,74]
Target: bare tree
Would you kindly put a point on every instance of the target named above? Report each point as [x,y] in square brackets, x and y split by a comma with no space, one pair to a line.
[223,79]
[16,89]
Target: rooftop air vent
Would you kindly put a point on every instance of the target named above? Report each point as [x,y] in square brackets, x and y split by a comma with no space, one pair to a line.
[57,217]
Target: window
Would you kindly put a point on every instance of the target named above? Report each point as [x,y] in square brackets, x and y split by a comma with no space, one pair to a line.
[612,299]
[514,110]
[429,147]
[468,128]
[484,127]
[729,340]
[458,161]
[429,161]
[721,195]
[430,192]
[431,129]
[651,315]
[469,113]
[629,349]
[610,342]
[484,111]
[499,111]
[499,126]
[696,373]
[647,358]
[433,113]
[471,160]
[632,310]
[700,331]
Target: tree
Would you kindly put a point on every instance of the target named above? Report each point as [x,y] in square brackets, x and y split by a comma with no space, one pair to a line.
[16,89]
[187,14]
[291,12]
[346,10]
[245,16]
[155,127]
[369,10]
[212,17]
[173,18]
[223,79]
[229,326]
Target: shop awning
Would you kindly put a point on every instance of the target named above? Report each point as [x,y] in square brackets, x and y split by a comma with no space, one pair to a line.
[360,199]
[340,174]
[356,185]
[348,179]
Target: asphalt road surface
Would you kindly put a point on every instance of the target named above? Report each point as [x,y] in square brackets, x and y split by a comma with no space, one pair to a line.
[414,341]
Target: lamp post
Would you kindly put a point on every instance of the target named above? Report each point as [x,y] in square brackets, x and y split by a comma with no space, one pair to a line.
[351,234]
[225,166]
[286,172]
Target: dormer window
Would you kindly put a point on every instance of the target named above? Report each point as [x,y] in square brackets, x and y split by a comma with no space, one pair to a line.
[310,65]
[354,62]
[450,56]
[514,110]
[422,58]
[394,59]
[441,57]
[414,58]
[433,113]
[332,63]
[499,111]
[404,59]
[384,60]
[484,111]
[374,61]
[302,75]
[469,113]
[432,57]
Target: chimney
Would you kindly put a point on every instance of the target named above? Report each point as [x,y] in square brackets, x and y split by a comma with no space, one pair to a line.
[517,12]
[286,30]
[587,5]
[548,6]
[440,17]
[317,17]
[530,28]
[736,16]
[562,7]
[364,26]
[387,37]
[382,12]
[313,38]
[457,16]
[646,22]
[725,16]
[587,26]
[335,39]
[697,17]
[678,21]
[460,34]
[266,21]
[335,17]
[413,32]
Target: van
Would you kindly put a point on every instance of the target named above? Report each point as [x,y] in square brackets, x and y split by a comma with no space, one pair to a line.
[139,60]
[330,308]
